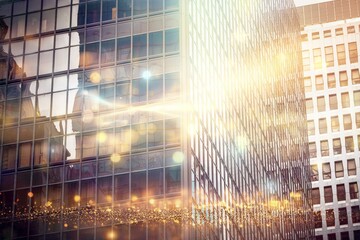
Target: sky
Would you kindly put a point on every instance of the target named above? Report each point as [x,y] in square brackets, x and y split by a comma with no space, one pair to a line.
[299,3]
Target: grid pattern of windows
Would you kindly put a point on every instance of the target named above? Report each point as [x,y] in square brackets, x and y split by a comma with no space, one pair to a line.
[95,102]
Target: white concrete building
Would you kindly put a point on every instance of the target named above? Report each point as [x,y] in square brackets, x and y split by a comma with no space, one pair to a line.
[331,40]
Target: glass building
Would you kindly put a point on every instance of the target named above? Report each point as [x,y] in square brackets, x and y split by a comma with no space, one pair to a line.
[152,104]
[331,78]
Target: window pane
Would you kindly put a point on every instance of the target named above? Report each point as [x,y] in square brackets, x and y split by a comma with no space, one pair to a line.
[155,133]
[139,90]
[173,179]
[155,43]
[140,6]
[171,40]
[155,5]
[337,146]
[138,184]
[326,171]
[123,48]
[155,182]
[155,87]
[108,51]
[139,45]
[108,10]
[93,13]
[124,8]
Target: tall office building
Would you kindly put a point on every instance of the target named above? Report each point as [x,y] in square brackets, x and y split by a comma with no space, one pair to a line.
[165,104]
[332,84]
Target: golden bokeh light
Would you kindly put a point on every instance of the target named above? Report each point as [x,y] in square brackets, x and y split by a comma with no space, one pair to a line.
[30,194]
[101,137]
[95,77]
[77,198]
[115,157]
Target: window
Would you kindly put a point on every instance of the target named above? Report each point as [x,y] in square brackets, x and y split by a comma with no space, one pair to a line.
[315,35]
[327,33]
[343,78]
[357,119]
[304,37]
[317,219]
[326,169]
[124,9]
[309,106]
[340,192]
[322,126]
[319,237]
[104,189]
[355,214]
[339,169]
[343,219]
[339,31]
[306,60]
[121,187]
[324,147]
[139,88]
[353,53]
[307,84]
[332,236]
[355,76]
[140,6]
[172,40]
[321,104]
[351,166]
[337,146]
[155,88]
[329,56]
[155,5]
[330,218]
[328,194]
[138,184]
[173,179]
[356,98]
[312,150]
[347,122]
[311,127]
[335,127]
[350,29]
[172,85]
[315,195]
[345,100]
[139,46]
[314,173]
[123,48]
[155,134]
[358,138]
[155,43]
[155,182]
[333,102]
[344,235]
[349,144]
[331,80]
[319,82]
[108,51]
[353,190]
[108,10]
[317,58]
[172,131]
[341,56]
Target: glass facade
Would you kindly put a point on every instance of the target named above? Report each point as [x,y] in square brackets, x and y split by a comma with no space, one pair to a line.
[150,104]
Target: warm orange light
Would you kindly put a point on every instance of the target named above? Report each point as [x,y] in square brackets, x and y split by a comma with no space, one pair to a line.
[77,198]
[30,194]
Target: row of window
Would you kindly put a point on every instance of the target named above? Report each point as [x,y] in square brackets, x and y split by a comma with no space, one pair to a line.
[338,170]
[334,125]
[327,103]
[328,33]
[135,185]
[332,80]
[318,54]
[107,52]
[341,194]
[90,169]
[342,217]
[35,228]
[64,17]
[139,137]
[343,236]
[338,146]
